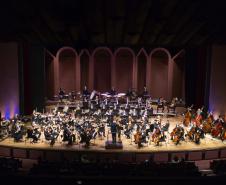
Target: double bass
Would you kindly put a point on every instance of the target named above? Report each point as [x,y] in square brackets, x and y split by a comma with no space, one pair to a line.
[198,118]
[187,117]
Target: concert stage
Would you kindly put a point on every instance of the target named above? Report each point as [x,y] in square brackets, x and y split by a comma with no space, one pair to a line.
[209,148]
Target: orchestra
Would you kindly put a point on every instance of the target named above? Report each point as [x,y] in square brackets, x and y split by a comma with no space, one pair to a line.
[98,115]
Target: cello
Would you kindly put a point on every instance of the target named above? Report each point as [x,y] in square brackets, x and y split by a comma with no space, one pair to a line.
[137,138]
[207,125]
[177,134]
[217,129]
[156,136]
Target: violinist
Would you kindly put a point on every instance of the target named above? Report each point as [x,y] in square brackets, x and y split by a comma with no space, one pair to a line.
[17,134]
[50,135]
[68,135]
[35,135]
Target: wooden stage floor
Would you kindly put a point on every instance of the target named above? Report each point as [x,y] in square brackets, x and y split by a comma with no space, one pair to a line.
[208,143]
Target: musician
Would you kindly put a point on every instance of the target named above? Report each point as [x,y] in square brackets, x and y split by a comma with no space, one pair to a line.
[50,135]
[112,92]
[119,128]
[68,135]
[113,130]
[34,134]
[61,94]
[145,93]
[17,132]
[85,92]
[138,138]
[160,104]
[198,118]
[129,93]
[86,136]
[101,130]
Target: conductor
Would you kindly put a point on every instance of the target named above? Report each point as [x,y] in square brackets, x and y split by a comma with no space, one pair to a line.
[113,131]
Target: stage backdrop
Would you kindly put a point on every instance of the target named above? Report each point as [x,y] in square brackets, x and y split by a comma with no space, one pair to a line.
[9,93]
[217,98]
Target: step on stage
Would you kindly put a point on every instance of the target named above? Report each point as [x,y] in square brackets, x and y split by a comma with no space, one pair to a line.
[209,148]
[111,145]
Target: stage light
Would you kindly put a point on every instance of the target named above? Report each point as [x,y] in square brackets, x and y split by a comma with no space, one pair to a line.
[6,114]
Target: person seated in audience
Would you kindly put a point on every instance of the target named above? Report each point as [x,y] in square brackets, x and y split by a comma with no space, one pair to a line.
[175,159]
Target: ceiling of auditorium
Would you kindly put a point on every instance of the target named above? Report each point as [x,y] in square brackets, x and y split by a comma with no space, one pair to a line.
[133,23]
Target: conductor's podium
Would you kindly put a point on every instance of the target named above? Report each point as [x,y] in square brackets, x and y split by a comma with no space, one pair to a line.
[111,145]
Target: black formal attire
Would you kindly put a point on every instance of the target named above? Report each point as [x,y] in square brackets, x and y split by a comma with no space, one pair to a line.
[113,131]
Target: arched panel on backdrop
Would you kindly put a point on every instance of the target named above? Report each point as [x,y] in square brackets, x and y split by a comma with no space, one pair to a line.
[178,88]
[49,75]
[67,58]
[160,76]
[141,63]
[124,69]
[102,58]
[84,57]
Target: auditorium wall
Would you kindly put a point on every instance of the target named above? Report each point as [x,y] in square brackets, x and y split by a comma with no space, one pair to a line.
[102,68]
[33,82]
[217,97]
[9,93]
